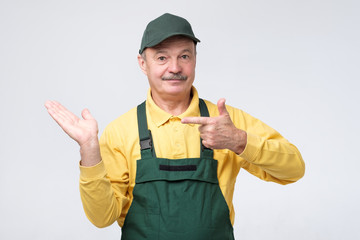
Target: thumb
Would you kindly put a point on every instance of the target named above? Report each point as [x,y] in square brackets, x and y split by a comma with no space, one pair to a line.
[221,107]
[86,114]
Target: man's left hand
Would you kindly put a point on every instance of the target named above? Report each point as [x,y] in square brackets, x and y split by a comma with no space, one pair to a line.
[219,132]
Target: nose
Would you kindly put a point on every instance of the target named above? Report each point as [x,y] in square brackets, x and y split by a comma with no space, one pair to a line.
[174,66]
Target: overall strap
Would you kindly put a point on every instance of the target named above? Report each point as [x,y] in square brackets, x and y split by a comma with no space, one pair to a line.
[146,142]
[205,152]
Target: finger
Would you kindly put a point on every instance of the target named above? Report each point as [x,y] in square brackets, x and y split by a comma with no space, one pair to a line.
[206,129]
[59,119]
[221,107]
[65,112]
[51,105]
[86,114]
[53,111]
[48,104]
[205,144]
[55,115]
[201,129]
[195,120]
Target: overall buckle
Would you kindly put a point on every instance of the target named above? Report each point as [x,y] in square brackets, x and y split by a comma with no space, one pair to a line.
[146,144]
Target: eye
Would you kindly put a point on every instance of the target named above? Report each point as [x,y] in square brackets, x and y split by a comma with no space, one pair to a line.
[185,56]
[162,58]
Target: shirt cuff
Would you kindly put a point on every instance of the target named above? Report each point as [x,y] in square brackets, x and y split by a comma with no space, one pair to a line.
[252,148]
[94,172]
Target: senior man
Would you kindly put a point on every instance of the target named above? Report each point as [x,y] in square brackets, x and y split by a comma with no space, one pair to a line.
[167,168]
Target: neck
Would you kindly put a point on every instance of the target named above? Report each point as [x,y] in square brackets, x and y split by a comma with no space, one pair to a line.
[173,105]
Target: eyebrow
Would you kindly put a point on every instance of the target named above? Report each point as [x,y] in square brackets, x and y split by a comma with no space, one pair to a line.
[186,50]
[164,51]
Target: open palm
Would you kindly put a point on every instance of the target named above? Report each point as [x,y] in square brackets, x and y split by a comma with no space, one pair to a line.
[81,130]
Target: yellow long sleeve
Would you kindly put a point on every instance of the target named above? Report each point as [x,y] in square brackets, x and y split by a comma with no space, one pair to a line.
[106,189]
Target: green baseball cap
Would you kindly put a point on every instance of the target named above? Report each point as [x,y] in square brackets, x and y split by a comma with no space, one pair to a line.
[163,27]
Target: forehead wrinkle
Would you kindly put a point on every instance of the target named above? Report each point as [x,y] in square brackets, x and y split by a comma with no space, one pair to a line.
[160,50]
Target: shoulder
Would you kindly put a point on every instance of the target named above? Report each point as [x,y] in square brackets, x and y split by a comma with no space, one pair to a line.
[122,127]
[124,120]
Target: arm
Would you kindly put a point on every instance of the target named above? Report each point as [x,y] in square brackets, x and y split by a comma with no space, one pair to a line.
[102,202]
[258,148]
[104,187]
[268,155]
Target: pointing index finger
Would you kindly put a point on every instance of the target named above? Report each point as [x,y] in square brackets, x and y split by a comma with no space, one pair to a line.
[195,120]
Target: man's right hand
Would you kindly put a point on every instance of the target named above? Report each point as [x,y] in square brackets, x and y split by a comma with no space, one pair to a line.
[83,131]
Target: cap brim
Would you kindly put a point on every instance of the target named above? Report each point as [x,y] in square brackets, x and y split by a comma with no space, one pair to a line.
[163,38]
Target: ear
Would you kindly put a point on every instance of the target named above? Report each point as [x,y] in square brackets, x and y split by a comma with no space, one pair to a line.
[142,64]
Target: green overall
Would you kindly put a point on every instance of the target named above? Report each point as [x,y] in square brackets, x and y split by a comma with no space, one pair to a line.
[176,199]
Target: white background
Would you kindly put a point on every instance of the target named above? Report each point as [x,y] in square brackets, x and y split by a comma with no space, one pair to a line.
[293,64]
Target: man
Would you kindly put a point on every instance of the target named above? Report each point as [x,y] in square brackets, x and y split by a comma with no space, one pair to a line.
[167,168]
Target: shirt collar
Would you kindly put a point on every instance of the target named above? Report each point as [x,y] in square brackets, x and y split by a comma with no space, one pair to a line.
[159,116]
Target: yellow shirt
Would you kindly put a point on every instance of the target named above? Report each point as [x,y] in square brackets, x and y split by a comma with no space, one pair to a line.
[106,189]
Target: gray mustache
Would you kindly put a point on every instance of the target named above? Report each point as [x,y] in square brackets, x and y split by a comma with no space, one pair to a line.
[175,77]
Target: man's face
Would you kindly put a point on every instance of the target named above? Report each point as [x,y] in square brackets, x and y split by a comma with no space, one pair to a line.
[170,68]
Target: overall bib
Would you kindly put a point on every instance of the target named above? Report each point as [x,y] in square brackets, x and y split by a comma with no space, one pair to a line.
[176,199]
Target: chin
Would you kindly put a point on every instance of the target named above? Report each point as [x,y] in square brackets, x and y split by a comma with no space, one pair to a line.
[177,90]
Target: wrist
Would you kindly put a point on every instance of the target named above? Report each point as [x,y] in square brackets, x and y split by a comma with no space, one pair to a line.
[240,140]
[90,153]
